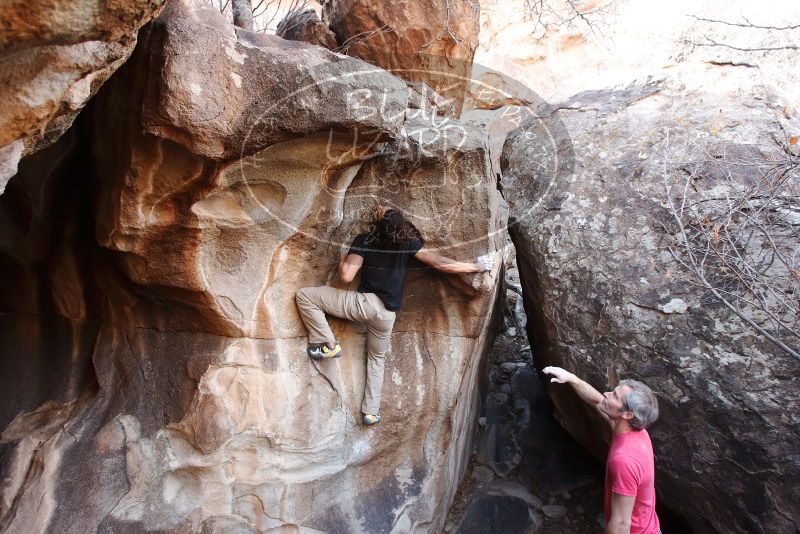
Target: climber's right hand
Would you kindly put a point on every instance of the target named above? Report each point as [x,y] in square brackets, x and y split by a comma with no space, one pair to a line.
[485,262]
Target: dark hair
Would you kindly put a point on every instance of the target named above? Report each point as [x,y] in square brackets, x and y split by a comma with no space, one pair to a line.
[392,232]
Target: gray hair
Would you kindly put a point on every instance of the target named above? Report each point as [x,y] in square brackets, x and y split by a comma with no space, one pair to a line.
[641,402]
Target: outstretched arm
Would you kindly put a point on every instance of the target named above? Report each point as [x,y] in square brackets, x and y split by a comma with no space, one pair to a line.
[446,265]
[586,392]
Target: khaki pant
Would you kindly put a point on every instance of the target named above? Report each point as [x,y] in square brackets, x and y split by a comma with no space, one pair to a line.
[368,308]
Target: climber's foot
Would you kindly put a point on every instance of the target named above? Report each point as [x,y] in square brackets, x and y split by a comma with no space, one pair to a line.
[370,419]
[322,352]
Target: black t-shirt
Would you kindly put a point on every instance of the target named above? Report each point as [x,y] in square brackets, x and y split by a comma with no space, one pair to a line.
[383,271]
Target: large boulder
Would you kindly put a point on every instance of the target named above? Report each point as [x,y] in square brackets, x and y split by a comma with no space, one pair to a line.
[428,42]
[54,56]
[219,192]
[634,212]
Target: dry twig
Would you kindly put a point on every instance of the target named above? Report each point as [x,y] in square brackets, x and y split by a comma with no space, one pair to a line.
[710,42]
[446,29]
[549,14]
[741,246]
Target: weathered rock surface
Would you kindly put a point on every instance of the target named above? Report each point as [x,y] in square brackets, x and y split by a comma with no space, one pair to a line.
[587,189]
[184,400]
[306,26]
[498,514]
[522,459]
[53,57]
[429,42]
[491,89]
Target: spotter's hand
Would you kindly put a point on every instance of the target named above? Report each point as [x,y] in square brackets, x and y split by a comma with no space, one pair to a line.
[560,376]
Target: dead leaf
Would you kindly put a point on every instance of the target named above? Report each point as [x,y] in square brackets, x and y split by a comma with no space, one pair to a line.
[793,140]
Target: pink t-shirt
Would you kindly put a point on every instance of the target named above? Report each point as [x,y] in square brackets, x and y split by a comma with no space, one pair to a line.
[630,471]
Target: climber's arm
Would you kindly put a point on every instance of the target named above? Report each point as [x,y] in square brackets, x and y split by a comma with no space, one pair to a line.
[446,265]
[349,265]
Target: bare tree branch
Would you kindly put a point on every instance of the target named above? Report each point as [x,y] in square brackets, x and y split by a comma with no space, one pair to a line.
[740,246]
[446,29]
[712,42]
[747,24]
[549,14]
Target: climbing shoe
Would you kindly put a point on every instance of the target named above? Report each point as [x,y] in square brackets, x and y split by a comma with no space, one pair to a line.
[370,419]
[322,352]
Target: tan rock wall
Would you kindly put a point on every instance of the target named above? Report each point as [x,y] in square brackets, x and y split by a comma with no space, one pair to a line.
[53,57]
[219,192]
[429,42]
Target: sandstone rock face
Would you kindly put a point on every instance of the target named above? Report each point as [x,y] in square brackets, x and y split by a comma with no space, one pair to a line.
[607,299]
[306,26]
[558,55]
[186,401]
[53,57]
[430,42]
[490,89]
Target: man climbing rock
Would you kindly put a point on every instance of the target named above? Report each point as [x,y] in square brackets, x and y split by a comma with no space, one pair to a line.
[381,256]
[630,495]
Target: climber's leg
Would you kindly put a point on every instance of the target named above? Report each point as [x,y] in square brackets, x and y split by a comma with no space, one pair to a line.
[315,302]
[379,331]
